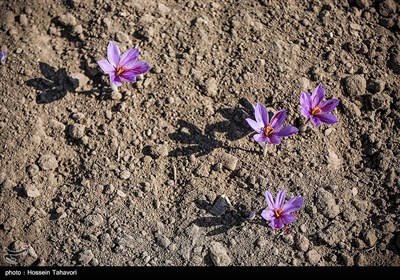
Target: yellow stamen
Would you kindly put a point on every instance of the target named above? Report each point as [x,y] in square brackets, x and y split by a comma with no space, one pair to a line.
[268,130]
[278,212]
[316,111]
[120,70]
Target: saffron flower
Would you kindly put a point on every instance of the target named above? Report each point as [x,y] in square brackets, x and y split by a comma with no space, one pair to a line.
[3,57]
[269,131]
[316,110]
[122,68]
[278,213]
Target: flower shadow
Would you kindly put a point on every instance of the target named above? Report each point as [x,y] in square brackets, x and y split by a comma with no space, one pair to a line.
[234,128]
[53,86]
[233,218]
[199,143]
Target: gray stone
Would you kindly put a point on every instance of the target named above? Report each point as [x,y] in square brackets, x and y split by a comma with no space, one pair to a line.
[381,101]
[355,85]
[313,257]
[163,241]
[31,191]
[370,237]
[48,162]
[394,61]
[228,161]
[121,193]
[359,260]
[67,20]
[85,257]
[326,204]
[79,80]
[32,169]
[127,241]
[363,4]
[221,205]
[125,175]
[76,131]
[334,161]
[219,254]
[211,87]
[302,243]
[93,220]
[387,8]
[159,151]
[116,95]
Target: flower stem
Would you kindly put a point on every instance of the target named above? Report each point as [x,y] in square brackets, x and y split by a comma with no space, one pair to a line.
[265,150]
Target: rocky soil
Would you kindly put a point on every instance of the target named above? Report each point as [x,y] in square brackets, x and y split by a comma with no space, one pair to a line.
[166,172]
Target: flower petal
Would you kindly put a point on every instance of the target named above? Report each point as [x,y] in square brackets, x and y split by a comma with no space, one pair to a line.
[318,95]
[270,200]
[140,67]
[329,105]
[113,54]
[328,118]
[115,80]
[288,218]
[129,58]
[260,138]
[306,112]
[287,131]
[278,119]
[280,198]
[273,139]
[293,204]
[315,120]
[106,66]
[254,125]
[267,215]
[261,114]
[127,76]
[276,223]
[305,99]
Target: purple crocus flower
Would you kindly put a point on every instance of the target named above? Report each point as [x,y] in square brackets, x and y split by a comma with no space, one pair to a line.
[122,68]
[318,111]
[3,57]
[269,131]
[278,213]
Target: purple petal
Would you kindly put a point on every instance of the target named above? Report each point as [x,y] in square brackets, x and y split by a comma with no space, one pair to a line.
[254,125]
[306,112]
[315,120]
[276,224]
[305,100]
[287,131]
[270,200]
[140,67]
[318,95]
[129,58]
[274,139]
[267,215]
[128,76]
[261,114]
[293,204]
[278,119]
[328,118]
[115,80]
[106,66]
[288,218]
[113,54]
[3,57]
[280,198]
[260,138]
[329,105]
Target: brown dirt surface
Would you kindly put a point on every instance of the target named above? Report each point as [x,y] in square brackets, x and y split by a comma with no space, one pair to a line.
[90,178]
